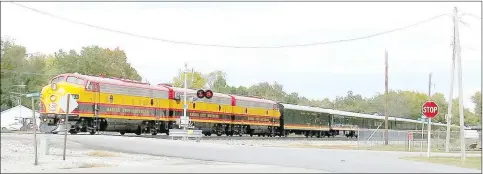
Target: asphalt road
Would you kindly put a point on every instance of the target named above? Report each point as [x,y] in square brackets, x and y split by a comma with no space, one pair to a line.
[329,160]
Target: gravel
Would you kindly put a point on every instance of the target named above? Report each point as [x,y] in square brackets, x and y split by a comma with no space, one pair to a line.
[17,155]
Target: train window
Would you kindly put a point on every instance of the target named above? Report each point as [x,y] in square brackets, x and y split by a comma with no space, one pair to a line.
[58,79]
[152,102]
[219,107]
[75,80]
[246,110]
[89,86]
[111,99]
[95,86]
[71,80]
[194,105]
[80,81]
[267,112]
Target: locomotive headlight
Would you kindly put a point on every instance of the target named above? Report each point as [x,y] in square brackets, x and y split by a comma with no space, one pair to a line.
[45,119]
[53,86]
[62,120]
[52,98]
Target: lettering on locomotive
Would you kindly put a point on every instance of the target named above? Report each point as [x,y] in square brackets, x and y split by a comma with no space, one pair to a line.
[136,111]
[258,119]
[129,110]
[113,109]
[204,115]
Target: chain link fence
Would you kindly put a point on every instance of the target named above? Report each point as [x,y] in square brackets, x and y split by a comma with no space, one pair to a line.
[415,141]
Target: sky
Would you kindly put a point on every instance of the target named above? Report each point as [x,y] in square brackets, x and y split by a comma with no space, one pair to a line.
[316,72]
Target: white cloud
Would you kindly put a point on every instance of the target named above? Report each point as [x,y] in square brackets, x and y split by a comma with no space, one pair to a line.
[413,52]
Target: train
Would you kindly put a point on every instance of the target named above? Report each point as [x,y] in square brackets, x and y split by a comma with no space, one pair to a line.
[128,106]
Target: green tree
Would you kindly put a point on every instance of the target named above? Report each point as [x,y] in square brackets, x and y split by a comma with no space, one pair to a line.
[470,118]
[12,62]
[94,60]
[476,98]
[216,80]
[195,80]
[292,98]
[351,102]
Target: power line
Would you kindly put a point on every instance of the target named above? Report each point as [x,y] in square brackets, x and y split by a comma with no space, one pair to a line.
[226,46]
[472,15]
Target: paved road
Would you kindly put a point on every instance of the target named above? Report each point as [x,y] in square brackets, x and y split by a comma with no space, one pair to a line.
[318,159]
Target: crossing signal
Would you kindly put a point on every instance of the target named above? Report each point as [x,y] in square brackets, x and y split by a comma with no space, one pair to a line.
[201,94]
[208,94]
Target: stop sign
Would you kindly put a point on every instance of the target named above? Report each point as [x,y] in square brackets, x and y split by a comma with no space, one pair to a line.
[429,109]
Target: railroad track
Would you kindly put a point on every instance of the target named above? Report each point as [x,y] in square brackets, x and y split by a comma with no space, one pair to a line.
[289,138]
[223,137]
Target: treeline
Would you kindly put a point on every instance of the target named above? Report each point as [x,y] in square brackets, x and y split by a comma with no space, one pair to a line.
[35,70]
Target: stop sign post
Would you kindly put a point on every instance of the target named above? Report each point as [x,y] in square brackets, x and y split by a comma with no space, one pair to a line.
[430,110]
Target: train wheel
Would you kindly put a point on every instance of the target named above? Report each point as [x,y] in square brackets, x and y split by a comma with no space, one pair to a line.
[122,132]
[154,133]
[138,131]
[92,132]
[72,131]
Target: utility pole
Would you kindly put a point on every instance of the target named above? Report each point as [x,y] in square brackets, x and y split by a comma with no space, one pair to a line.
[192,77]
[429,86]
[460,86]
[429,119]
[185,106]
[450,98]
[35,130]
[386,125]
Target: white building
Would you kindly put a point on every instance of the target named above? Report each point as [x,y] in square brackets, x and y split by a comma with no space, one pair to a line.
[17,117]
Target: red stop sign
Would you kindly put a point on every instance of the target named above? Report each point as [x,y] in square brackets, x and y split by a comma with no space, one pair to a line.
[429,109]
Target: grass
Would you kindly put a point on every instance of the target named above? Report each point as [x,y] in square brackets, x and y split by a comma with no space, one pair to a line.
[351,147]
[400,148]
[102,154]
[86,165]
[471,162]
[91,165]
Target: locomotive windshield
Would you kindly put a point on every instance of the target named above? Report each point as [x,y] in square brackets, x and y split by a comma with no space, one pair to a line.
[75,80]
[57,79]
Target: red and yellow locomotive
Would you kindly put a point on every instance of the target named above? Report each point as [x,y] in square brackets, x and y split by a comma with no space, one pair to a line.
[127,106]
